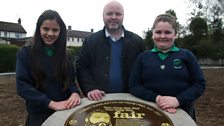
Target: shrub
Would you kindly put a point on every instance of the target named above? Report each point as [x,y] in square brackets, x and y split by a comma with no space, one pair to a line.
[73,52]
[8,58]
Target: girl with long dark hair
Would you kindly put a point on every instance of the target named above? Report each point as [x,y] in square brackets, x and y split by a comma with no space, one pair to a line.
[45,76]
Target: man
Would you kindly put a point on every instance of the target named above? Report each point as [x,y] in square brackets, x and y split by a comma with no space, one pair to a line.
[106,58]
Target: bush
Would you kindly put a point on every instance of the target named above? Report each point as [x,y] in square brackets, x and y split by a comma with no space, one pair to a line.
[8,58]
[8,55]
[73,52]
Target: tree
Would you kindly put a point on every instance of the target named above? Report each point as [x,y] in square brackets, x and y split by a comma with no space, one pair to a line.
[216,24]
[206,26]
[217,30]
[180,28]
[207,9]
[198,27]
[221,3]
[171,12]
[209,3]
[148,40]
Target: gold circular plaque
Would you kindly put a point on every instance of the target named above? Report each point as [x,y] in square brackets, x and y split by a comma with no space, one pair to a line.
[118,113]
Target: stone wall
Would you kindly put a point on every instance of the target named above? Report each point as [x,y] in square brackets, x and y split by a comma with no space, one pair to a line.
[210,62]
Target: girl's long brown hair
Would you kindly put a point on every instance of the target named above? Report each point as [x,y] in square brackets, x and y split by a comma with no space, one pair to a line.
[60,56]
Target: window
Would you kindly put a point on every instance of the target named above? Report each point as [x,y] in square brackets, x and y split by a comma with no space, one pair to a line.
[5,34]
[17,35]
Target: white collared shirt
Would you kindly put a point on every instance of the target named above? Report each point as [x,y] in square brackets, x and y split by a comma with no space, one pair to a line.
[107,34]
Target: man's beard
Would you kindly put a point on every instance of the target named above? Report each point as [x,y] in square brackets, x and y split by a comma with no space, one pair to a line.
[114,27]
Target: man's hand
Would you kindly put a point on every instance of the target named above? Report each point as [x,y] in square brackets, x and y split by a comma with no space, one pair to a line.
[95,95]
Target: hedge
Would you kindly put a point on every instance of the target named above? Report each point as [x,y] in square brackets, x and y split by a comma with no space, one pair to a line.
[8,58]
[8,55]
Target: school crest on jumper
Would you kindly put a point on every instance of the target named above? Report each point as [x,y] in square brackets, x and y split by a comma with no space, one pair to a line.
[177,63]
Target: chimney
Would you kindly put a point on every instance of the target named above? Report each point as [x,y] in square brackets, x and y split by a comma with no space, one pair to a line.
[91,30]
[69,27]
[19,21]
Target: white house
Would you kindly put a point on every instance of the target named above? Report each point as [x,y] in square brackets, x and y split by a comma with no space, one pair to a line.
[9,31]
[14,33]
[75,37]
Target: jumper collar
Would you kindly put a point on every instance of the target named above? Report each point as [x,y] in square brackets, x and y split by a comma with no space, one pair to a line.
[49,50]
[172,49]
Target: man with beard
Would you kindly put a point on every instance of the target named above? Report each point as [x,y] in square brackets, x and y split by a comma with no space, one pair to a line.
[107,56]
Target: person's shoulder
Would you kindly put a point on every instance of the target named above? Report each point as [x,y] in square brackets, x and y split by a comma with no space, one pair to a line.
[94,37]
[24,51]
[131,34]
[133,38]
[187,52]
[145,53]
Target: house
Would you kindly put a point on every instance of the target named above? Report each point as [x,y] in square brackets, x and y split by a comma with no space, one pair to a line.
[14,33]
[75,37]
[11,31]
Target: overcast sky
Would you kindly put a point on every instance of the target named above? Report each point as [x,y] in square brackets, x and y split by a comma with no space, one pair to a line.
[84,15]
